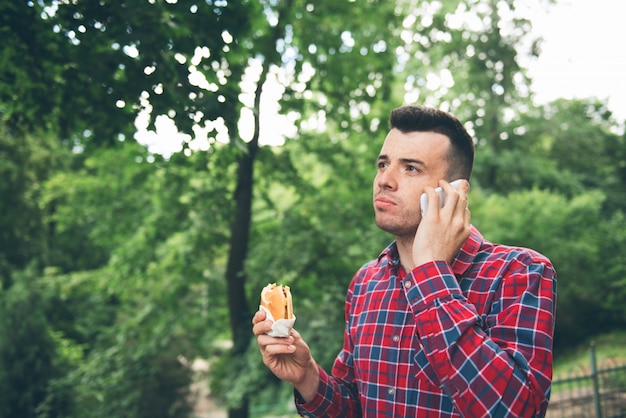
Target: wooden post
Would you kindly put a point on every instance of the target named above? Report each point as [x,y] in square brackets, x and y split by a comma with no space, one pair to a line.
[594,376]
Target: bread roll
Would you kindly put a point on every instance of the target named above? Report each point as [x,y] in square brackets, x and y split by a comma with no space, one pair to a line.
[277,299]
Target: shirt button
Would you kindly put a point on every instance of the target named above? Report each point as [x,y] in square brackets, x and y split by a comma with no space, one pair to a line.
[396,338]
[391,391]
[407,284]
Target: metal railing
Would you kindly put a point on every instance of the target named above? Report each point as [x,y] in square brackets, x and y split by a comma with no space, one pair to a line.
[598,391]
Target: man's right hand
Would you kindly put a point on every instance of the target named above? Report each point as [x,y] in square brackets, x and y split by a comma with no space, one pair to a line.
[289,358]
[442,232]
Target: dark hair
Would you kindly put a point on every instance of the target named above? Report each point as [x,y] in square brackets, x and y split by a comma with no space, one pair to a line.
[412,118]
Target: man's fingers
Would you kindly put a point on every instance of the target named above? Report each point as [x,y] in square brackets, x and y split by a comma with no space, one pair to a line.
[258,317]
[276,349]
[456,197]
[261,327]
[275,345]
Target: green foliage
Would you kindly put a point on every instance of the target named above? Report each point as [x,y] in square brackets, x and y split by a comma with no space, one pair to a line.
[540,219]
[609,348]
[124,327]
[113,54]
[523,173]
[93,209]
[32,356]
[165,295]
[128,375]
[26,162]
[614,289]
[573,147]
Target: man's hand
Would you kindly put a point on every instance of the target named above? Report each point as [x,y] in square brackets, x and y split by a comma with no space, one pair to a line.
[289,358]
[442,232]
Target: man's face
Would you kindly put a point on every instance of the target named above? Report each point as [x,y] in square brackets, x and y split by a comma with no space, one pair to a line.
[406,164]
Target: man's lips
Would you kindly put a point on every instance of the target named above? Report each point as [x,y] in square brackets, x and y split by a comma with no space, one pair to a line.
[382,202]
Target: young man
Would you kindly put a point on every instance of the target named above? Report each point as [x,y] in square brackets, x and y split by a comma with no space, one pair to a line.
[443,323]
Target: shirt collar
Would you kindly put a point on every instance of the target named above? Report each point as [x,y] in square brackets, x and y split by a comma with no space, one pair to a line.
[462,261]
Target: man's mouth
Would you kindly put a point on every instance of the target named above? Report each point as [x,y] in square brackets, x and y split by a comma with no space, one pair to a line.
[382,202]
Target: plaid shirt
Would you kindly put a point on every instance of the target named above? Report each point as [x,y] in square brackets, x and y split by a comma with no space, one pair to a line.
[473,339]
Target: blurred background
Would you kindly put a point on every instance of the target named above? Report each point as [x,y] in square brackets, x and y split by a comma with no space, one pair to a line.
[163,160]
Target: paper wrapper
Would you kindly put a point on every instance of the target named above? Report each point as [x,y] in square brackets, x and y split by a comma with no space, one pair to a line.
[281,327]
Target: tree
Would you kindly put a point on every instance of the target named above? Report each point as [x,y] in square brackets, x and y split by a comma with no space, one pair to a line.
[140,318]
[30,358]
[126,57]
[118,55]
[466,59]
[26,162]
[284,50]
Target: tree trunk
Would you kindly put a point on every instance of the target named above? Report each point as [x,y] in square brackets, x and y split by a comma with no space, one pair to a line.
[239,311]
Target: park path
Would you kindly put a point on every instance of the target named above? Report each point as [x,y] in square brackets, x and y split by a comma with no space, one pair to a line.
[205,406]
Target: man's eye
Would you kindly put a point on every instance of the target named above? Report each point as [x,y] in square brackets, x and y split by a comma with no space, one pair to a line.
[381,164]
[412,168]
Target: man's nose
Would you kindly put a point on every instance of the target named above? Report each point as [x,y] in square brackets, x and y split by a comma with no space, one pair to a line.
[387,179]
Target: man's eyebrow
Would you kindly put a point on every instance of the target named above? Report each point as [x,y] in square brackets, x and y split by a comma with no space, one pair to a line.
[412,161]
[384,157]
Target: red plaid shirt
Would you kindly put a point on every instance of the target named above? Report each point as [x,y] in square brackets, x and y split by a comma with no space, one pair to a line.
[473,339]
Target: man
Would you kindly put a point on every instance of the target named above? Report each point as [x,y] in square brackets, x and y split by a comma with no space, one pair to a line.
[443,323]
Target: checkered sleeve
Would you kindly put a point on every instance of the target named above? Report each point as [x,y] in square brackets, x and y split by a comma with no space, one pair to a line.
[497,363]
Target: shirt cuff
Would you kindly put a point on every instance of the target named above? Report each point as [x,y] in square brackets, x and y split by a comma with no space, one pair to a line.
[432,282]
[318,406]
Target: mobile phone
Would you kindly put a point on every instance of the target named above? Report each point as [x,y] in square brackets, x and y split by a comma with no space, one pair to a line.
[442,196]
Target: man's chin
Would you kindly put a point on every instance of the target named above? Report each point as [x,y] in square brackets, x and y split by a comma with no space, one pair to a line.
[396,229]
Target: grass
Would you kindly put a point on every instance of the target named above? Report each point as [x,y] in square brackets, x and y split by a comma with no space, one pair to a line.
[609,347]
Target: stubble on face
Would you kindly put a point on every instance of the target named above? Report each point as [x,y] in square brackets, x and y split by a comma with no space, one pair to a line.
[398,225]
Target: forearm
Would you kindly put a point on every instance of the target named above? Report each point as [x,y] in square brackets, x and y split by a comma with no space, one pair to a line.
[307,388]
[484,361]
[482,378]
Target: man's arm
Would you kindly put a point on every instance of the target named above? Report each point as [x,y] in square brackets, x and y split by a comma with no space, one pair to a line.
[498,364]
[317,393]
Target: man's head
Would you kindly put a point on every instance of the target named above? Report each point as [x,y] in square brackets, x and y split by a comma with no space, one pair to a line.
[423,146]
[460,157]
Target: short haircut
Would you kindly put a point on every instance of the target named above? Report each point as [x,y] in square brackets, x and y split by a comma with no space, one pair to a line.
[413,118]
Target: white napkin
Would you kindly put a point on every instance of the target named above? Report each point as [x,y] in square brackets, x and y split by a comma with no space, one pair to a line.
[280,327]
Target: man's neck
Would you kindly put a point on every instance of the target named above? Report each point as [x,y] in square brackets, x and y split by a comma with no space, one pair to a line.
[405,251]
